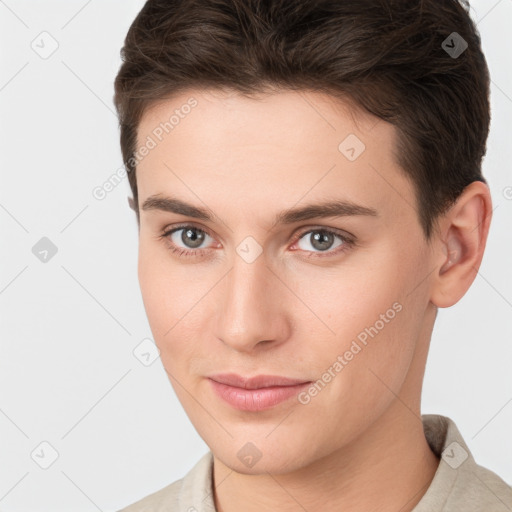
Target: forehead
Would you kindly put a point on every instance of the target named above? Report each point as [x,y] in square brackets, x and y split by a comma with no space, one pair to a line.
[258,117]
[277,147]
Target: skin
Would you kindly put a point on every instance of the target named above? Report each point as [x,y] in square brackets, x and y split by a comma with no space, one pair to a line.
[358,444]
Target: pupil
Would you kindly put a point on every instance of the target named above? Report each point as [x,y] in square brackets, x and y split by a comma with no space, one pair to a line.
[321,240]
[193,236]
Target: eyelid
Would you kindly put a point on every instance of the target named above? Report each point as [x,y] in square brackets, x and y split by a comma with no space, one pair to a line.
[348,239]
[345,235]
[302,231]
[176,227]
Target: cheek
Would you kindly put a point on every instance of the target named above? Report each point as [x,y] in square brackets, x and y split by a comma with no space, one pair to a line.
[163,290]
[172,301]
[155,289]
[351,297]
[374,319]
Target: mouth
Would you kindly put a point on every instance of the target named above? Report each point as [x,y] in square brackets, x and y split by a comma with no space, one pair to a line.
[255,393]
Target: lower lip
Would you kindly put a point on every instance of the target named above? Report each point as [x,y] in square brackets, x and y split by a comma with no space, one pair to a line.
[256,399]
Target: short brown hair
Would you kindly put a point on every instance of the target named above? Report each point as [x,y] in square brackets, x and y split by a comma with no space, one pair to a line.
[390,57]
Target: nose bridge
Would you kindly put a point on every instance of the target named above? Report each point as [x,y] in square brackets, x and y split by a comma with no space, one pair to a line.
[249,307]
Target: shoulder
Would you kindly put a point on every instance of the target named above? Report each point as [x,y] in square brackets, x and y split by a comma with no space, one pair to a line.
[460,483]
[185,494]
[159,501]
[480,488]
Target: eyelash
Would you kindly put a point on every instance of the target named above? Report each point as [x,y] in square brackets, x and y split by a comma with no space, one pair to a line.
[347,242]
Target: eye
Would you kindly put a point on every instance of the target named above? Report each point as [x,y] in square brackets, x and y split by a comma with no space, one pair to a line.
[323,240]
[189,241]
[186,240]
[190,236]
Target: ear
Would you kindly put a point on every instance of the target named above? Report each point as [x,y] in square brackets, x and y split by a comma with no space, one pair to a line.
[131,203]
[462,235]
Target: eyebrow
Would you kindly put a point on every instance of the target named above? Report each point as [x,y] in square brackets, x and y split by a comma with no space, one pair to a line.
[337,208]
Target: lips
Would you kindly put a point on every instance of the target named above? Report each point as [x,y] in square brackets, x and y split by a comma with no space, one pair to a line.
[255,393]
[257,382]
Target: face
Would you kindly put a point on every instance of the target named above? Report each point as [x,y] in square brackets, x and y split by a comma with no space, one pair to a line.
[263,283]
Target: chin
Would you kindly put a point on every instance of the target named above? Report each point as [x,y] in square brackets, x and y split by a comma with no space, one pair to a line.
[262,457]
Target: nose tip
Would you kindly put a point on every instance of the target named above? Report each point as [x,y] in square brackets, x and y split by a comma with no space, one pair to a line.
[249,312]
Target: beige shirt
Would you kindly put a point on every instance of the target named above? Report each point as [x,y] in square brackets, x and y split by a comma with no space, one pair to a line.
[459,484]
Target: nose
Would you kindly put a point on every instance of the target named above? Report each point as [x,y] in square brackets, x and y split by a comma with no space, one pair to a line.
[252,307]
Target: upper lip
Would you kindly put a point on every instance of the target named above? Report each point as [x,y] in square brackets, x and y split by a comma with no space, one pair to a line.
[256,382]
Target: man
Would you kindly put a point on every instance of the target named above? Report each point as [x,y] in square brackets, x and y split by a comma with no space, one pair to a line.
[307,182]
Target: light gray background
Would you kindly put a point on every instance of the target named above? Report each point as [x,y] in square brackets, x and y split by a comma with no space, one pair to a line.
[68,375]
